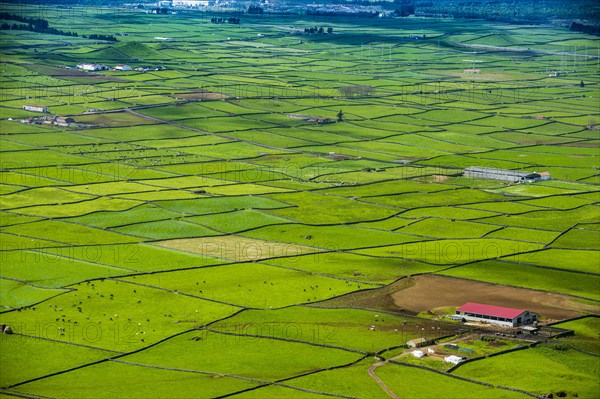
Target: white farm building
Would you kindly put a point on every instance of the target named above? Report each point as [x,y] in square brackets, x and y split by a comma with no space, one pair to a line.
[92,67]
[454,359]
[35,108]
[506,317]
[507,175]
[190,3]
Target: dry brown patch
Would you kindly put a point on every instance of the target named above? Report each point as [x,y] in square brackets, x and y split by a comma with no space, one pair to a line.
[414,295]
[201,96]
[236,248]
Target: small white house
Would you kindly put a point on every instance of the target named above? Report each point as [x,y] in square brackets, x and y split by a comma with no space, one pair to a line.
[418,354]
[419,342]
[454,359]
[123,67]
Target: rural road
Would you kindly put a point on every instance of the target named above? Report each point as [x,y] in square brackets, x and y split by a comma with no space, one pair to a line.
[379,381]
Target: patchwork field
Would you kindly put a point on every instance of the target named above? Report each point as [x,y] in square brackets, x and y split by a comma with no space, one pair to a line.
[257,212]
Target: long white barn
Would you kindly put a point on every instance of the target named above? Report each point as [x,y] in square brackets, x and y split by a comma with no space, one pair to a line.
[507,317]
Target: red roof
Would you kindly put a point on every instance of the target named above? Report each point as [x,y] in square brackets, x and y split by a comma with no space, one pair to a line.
[490,310]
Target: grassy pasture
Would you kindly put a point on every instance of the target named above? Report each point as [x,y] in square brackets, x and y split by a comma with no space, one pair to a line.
[578,238]
[346,328]
[573,367]
[429,384]
[135,381]
[16,294]
[60,356]
[577,260]
[239,362]
[586,333]
[137,257]
[309,205]
[451,251]
[237,220]
[68,233]
[441,228]
[45,269]
[116,315]
[257,285]
[346,237]
[352,381]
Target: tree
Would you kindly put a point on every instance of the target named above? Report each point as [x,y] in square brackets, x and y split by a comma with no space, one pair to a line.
[253,9]
[407,7]
[340,116]
[330,30]
[581,84]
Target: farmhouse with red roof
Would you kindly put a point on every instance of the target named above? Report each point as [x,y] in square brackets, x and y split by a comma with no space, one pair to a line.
[499,315]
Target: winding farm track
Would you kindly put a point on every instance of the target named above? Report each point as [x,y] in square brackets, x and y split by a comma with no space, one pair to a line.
[379,381]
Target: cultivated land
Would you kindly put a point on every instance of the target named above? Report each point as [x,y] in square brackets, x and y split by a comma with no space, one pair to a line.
[200,231]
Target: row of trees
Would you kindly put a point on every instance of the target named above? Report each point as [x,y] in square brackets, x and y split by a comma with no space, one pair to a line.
[404,8]
[318,31]
[36,28]
[589,29]
[160,10]
[38,22]
[108,38]
[31,24]
[512,10]
[363,14]
[40,25]
[230,20]
[255,9]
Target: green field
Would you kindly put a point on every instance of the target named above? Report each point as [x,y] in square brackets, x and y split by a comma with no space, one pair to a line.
[237,216]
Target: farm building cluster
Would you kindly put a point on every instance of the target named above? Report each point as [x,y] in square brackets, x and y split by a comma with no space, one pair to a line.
[310,118]
[93,67]
[511,176]
[61,121]
[101,67]
[185,3]
[497,316]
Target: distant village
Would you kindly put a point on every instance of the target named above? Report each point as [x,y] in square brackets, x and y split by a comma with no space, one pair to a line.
[93,67]
[52,120]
